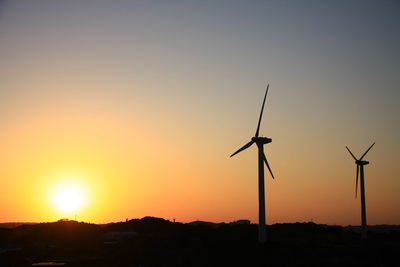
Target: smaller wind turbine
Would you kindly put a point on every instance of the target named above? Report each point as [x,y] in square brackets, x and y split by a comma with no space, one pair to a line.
[360,170]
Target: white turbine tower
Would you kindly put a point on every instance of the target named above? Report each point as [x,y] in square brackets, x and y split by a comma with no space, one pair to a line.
[360,170]
[260,141]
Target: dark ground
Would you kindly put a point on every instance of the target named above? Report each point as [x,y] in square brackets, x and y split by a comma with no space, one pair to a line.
[158,242]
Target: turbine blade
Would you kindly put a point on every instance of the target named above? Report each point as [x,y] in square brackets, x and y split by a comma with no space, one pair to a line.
[243,147]
[266,163]
[367,151]
[358,168]
[351,153]
[261,113]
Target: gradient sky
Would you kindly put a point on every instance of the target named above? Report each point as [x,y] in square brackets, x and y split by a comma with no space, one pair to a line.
[142,102]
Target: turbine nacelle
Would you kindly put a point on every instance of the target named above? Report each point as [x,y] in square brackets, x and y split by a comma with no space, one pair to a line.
[261,140]
[362,162]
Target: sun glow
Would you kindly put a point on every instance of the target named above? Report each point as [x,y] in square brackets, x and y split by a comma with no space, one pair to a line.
[69,196]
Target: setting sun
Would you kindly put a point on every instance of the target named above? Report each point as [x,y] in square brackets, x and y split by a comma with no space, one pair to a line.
[69,196]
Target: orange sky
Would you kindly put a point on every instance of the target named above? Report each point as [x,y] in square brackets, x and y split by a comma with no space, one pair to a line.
[145,121]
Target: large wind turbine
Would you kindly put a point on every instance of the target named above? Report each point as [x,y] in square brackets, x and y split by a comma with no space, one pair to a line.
[260,141]
[360,170]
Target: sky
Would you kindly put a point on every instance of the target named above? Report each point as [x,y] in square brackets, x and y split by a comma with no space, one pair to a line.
[139,104]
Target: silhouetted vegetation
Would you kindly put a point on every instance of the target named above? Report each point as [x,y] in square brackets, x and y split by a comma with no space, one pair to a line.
[157,242]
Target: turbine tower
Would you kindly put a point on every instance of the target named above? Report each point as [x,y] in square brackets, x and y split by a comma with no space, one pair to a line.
[360,170]
[260,141]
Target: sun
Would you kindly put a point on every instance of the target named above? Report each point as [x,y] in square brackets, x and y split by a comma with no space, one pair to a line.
[69,196]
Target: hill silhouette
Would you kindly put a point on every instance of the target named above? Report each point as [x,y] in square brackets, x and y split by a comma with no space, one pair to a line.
[154,241]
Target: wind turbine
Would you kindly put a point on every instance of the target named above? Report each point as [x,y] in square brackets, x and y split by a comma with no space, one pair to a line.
[260,141]
[360,170]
